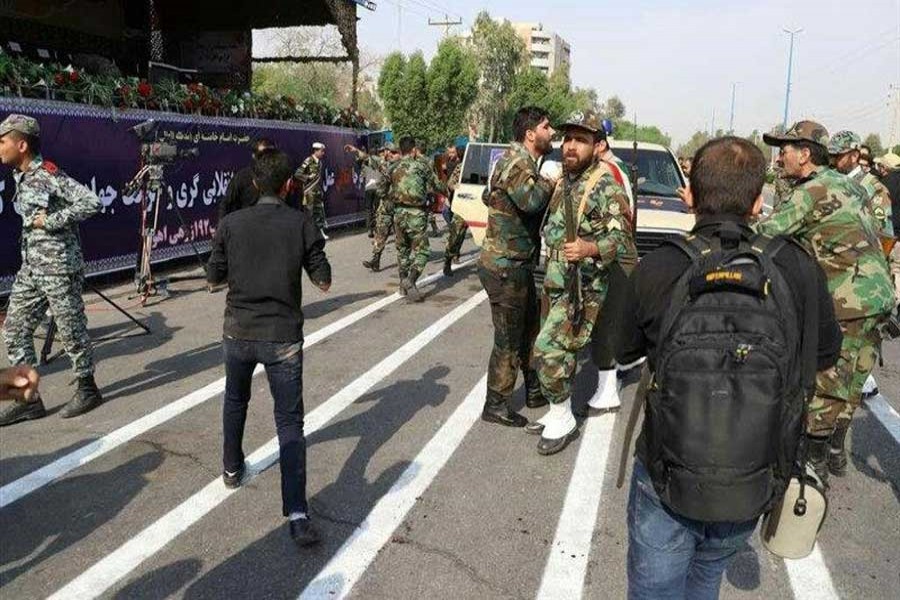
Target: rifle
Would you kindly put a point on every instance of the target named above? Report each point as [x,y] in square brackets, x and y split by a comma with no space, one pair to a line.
[634,176]
[575,309]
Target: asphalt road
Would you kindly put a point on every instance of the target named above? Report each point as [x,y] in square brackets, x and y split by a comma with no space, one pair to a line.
[415,496]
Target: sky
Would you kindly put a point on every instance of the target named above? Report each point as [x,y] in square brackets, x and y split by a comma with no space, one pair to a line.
[673,62]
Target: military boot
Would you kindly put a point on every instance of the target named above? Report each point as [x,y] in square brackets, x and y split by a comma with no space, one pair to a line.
[448,268]
[837,454]
[15,412]
[817,456]
[403,288]
[412,292]
[87,397]
[374,264]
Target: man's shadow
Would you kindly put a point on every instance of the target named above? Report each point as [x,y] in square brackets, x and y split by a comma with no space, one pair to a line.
[869,440]
[339,507]
[66,512]
[317,309]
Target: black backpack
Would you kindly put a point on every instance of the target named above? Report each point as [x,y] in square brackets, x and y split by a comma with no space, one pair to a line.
[725,411]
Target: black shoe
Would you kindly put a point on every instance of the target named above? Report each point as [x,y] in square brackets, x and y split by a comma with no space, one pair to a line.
[303,533]
[837,454]
[547,447]
[535,400]
[371,234]
[375,264]
[233,482]
[409,284]
[501,415]
[15,412]
[817,449]
[534,428]
[87,398]
[448,269]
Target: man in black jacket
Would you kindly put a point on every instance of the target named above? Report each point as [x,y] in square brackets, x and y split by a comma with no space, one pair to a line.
[261,252]
[241,193]
[670,555]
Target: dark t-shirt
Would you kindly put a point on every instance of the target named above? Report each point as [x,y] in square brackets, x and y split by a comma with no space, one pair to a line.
[261,252]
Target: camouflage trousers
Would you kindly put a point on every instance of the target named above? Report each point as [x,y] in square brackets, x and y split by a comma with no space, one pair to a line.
[516,317]
[316,206]
[557,345]
[411,238]
[456,235]
[31,295]
[384,223]
[839,390]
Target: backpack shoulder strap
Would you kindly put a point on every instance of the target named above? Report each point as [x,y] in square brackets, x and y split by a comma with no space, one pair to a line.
[692,245]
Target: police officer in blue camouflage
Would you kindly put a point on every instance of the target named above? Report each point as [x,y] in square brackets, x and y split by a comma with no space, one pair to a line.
[51,205]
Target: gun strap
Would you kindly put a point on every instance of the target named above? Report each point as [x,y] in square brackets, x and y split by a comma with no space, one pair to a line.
[640,396]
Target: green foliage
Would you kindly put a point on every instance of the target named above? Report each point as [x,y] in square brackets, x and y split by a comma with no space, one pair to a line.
[873,141]
[651,134]
[531,87]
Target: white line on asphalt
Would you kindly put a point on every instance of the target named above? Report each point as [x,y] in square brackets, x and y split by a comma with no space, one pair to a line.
[354,556]
[885,413]
[810,579]
[35,480]
[564,575]
[105,573]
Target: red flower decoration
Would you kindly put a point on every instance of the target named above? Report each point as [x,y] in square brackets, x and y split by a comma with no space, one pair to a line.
[145,89]
[74,76]
[59,79]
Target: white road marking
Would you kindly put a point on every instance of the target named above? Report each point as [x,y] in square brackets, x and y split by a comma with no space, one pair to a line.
[104,574]
[886,414]
[810,579]
[345,568]
[35,480]
[563,574]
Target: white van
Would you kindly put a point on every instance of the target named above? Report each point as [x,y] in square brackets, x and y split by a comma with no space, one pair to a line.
[660,212]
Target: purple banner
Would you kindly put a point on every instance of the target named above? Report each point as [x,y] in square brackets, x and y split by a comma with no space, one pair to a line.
[96,148]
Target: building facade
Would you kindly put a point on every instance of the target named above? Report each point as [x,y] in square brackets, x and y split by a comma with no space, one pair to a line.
[547,50]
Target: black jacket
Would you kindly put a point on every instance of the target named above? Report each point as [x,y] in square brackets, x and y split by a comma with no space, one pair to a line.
[892,182]
[261,252]
[241,193]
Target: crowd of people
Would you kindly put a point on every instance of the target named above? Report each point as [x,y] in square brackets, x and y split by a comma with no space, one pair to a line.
[754,334]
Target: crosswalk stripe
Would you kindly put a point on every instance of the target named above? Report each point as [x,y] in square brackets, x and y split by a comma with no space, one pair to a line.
[105,573]
[571,548]
[809,577]
[886,414]
[37,479]
[353,558]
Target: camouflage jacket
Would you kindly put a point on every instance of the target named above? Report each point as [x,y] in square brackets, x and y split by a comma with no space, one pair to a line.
[783,188]
[879,200]
[604,221]
[411,181]
[827,213]
[453,179]
[310,176]
[55,249]
[516,199]
[382,167]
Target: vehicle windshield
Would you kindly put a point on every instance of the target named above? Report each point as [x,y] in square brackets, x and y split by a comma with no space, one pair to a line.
[657,171]
[478,161]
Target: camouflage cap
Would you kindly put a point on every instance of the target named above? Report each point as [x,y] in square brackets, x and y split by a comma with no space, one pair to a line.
[801,131]
[587,120]
[20,123]
[389,146]
[844,141]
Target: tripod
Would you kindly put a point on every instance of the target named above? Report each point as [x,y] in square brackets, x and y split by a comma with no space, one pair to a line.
[47,348]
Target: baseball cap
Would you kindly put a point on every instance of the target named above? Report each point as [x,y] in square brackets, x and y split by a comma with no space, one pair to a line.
[587,120]
[801,131]
[843,141]
[21,123]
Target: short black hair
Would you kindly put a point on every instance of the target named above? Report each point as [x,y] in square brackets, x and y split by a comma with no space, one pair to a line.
[527,117]
[727,176]
[460,150]
[33,141]
[271,170]
[818,154]
[407,144]
[263,145]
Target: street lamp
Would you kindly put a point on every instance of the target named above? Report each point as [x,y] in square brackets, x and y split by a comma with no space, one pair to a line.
[787,92]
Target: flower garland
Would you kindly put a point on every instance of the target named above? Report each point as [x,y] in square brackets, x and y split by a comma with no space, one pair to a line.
[28,79]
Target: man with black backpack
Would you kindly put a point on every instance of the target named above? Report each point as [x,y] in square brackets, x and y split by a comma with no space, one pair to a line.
[734,327]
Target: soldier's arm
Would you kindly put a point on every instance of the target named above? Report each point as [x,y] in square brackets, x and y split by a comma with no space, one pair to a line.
[453,180]
[315,262]
[435,185]
[881,209]
[527,189]
[609,224]
[789,216]
[217,265]
[81,203]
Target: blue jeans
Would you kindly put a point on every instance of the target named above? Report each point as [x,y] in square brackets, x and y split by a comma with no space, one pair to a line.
[284,369]
[670,556]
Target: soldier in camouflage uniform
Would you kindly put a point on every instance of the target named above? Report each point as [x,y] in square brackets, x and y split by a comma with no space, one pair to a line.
[516,198]
[384,213]
[310,176]
[456,232]
[577,278]
[844,150]
[828,213]
[412,179]
[51,276]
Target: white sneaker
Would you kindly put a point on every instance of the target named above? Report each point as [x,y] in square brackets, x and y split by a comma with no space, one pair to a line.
[559,421]
[870,388]
[606,397]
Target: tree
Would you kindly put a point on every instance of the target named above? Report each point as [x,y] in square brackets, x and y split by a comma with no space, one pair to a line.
[873,141]
[500,54]
[651,134]
[614,109]
[429,102]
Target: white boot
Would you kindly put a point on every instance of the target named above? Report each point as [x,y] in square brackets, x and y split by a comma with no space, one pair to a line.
[870,387]
[606,397]
[323,234]
[559,421]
